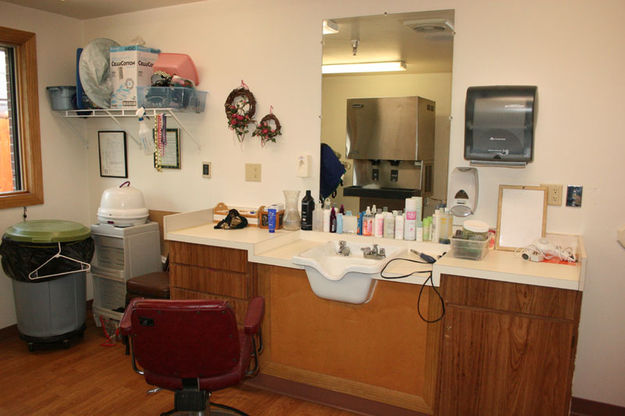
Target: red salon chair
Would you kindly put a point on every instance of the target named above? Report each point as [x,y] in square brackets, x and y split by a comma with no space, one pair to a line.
[193,347]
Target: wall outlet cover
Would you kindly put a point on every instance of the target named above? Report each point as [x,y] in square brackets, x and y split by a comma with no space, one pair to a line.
[554,194]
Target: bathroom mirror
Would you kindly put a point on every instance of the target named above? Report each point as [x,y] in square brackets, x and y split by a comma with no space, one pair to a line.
[422,43]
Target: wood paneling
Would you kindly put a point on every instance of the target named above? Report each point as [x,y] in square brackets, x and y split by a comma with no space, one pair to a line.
[511,297]
[157,217]
[499,364]
[379,350]
[200,279]
[239,306]
[219,258]
[506,349]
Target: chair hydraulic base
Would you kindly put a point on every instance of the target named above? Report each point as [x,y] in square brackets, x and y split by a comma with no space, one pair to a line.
[192,402]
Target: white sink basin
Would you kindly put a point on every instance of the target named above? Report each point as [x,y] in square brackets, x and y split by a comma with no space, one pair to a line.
[343,278]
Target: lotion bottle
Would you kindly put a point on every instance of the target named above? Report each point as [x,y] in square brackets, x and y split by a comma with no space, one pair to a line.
[399,226]
[389,225]
[410,222]
[379,224]
[367,223]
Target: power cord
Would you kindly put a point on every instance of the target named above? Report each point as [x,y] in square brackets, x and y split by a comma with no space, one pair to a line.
[427,260]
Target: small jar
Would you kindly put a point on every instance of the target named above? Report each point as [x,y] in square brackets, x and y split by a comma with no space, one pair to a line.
[475,230]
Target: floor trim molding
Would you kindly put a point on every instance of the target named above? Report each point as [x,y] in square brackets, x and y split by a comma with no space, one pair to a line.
[583,407]
[327,397]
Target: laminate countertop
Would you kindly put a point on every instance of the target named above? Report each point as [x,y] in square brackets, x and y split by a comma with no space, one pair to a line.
[278,249]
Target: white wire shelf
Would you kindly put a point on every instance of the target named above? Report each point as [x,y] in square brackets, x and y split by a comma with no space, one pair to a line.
[115,113]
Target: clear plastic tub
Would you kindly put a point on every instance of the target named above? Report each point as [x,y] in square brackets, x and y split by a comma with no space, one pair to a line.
[469,249]
[179,98]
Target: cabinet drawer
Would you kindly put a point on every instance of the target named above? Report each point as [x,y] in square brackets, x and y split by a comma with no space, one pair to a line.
[208,256]
[511,297]
[207,280]
[239,306]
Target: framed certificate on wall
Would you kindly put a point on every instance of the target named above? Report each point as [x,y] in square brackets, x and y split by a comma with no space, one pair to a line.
[112,154]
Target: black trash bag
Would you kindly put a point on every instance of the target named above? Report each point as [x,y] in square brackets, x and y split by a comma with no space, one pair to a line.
[233,221]
[19,259]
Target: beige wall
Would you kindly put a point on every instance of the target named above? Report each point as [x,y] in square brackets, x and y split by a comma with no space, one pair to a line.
[64,157]
[336,89]
[572,50]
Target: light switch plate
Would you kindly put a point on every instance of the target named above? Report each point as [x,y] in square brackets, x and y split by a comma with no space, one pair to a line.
[252,172]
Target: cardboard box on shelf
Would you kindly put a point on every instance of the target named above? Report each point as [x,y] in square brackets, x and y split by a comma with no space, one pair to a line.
[131,66]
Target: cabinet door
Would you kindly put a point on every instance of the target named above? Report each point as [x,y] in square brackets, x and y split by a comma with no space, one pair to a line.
[502,364]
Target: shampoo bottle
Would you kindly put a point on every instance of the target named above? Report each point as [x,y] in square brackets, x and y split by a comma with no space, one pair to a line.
[410,222]
[419,231]
[332,220]
[308,206]
[389,225]
[399,227]
[326,218]
[379,224]
[367,223]
[339,223]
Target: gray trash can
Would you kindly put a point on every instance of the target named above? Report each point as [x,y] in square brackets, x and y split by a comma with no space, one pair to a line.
[47,261]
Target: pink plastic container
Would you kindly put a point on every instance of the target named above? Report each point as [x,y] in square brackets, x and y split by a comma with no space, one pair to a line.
[179,64]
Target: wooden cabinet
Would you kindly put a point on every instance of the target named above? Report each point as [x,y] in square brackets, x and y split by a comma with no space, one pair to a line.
[207,272]
[506,348]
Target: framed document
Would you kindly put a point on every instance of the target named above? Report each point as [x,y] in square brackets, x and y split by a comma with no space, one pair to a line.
[112,152]
[170,159]
[521,216]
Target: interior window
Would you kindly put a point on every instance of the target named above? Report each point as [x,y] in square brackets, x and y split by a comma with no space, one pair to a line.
[20,147]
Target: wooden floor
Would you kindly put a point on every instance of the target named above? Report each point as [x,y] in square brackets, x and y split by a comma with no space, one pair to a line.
[91,380]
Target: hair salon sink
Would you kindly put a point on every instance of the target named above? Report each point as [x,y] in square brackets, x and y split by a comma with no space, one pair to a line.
[344,271]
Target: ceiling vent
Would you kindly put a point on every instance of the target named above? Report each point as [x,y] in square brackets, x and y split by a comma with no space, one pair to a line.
[431,26]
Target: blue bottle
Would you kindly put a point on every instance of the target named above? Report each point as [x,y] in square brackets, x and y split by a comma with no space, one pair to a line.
[271,219]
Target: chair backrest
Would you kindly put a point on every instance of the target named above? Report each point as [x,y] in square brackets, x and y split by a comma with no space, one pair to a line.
[185,338]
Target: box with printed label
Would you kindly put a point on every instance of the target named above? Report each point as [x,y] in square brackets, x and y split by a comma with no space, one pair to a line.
[131,66]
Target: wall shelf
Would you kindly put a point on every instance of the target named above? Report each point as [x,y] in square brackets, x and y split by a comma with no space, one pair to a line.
[115,113]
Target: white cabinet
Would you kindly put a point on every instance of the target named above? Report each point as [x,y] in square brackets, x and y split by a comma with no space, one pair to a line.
[120,254]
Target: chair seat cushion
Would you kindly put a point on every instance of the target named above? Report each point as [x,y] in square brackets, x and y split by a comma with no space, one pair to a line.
[152,285]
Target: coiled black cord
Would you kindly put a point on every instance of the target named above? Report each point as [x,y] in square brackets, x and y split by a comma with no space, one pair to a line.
[429,278]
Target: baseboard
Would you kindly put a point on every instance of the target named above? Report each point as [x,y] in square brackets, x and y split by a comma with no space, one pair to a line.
[583,407]
[327,397]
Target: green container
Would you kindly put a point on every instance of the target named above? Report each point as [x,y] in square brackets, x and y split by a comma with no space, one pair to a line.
[47,231]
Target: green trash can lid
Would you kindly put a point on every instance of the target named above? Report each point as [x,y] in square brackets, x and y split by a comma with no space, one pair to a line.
[47,231]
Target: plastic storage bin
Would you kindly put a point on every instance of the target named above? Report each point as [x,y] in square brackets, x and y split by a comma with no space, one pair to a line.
[62,98]
[179,98]
[469,249]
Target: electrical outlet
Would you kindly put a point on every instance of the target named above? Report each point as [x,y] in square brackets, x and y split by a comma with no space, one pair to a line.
[554,194]
[252,172]
[207,171]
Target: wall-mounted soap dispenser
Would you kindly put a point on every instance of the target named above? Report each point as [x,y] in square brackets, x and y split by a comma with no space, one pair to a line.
[463,188]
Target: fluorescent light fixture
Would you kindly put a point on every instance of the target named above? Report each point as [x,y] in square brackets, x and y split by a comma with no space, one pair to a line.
[364,67]
[330,27]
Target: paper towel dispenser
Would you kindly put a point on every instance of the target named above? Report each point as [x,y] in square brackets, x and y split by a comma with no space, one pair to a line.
[499,124]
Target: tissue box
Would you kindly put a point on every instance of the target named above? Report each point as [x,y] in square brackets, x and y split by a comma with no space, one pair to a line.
[130,66]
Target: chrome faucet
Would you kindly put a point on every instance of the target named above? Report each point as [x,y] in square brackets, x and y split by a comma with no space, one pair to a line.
[373,252]
[343,250]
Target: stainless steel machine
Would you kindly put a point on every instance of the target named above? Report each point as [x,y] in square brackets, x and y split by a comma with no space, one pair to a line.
[391,141]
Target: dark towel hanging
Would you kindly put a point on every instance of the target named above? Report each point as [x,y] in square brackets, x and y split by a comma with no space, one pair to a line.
[331,172]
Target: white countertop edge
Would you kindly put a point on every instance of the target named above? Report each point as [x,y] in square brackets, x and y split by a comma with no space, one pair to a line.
[503,277]
[175,222]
